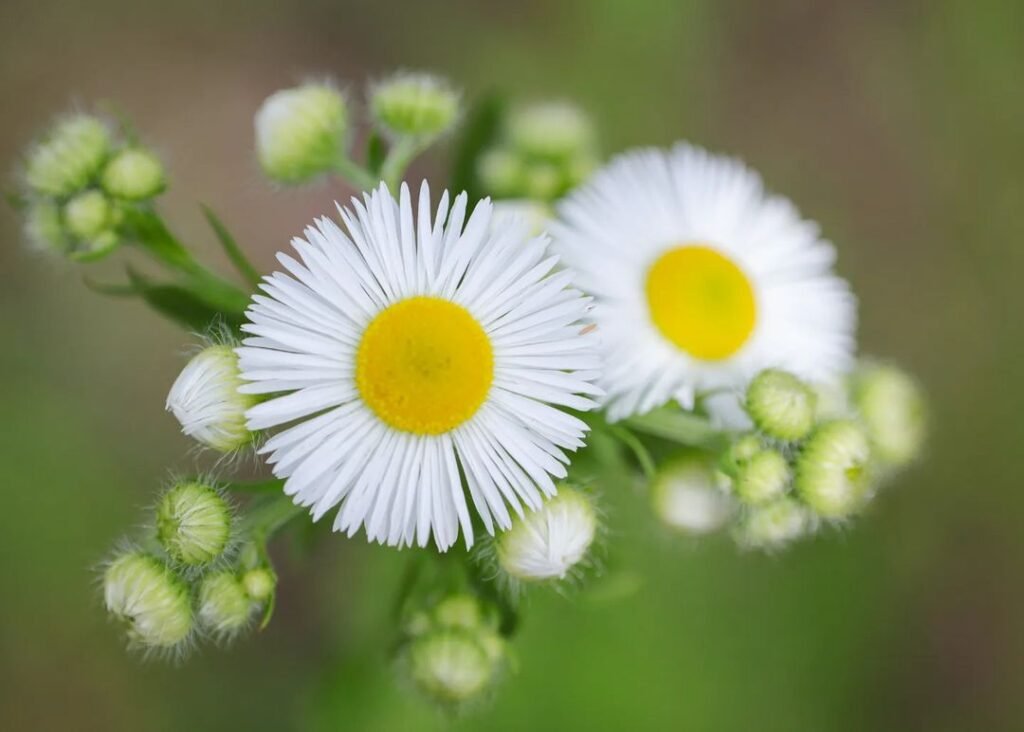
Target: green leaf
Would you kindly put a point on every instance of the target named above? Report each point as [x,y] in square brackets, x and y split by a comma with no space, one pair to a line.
[231,248]
[479,132]
[676,425]
[180,304]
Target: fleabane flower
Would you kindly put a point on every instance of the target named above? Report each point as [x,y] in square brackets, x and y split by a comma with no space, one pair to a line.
[548,544]
[207,400]
[701,279]
[414,359]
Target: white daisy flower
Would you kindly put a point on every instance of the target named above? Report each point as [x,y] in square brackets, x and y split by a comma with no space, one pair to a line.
[701,279]
[419,356]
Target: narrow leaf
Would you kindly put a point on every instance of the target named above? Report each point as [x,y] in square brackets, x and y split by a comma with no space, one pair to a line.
[231,248]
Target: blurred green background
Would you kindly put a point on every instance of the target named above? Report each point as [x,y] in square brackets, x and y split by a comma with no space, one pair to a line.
[898,124]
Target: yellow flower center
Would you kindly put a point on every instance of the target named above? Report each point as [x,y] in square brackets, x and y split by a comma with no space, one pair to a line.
[701,301]
[424,365]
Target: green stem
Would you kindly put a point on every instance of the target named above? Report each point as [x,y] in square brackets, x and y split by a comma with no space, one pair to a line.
[356,174]
[398,159]
[677,426]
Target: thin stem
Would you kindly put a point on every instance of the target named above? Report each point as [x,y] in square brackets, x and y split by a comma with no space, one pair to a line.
[356,174]
[398,159]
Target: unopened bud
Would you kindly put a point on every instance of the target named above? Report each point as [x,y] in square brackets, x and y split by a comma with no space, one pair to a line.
[88,214]
[551,130]
[762,478]
[686,496]
[451,666]
[301,132]
[548,543]
[414,105]
[154,602]
[134,174]
[193,523]
[69,158]
[781,405]
[775,524]
[832,471]
[225,607]
[44,228]
[259,583]
[892,408]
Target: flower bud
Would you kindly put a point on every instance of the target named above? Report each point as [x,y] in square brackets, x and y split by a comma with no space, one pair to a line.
[832,471]
[762,478]
[686,496]
[134,174]
[452,666]
[150,598]
[301,132]
[259,583]
[206,400]
[774,524]
[225,608]
[892,409]
[548,543]
[414,105]
[781,405]
[193,523]
[88,214]
[551,130]
[44,228]
[501,173]
[96,247]
[68,159]
[458,611]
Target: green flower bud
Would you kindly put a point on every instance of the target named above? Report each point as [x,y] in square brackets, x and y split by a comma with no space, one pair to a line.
[459,611]
[762,478]
[548,543]
[97,247]
[301,132]
[414,105]
[774,524]
[892,409]
[501,173]
[44,228]
[832,471]
[193,523]
[686,497]
[739,453]
[207,400]
[452,666]
[154,602]
[551,130]
[543,181]
[259,583]
[88,215]
[68,159]
[134,174]
[781,405]
[225,607]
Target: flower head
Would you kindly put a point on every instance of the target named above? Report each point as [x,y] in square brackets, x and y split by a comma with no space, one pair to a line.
[415,359]
[701,279]
[892,408]
[134,174]
[781,405]
[193,523]
[763,477]
[414,105]
[833,474]
[154,602]
[70,156]
[207,400]
[551,542]
[686,496]
[301,132]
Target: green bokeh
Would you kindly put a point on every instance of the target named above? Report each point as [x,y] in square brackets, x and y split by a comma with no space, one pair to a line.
[899,126]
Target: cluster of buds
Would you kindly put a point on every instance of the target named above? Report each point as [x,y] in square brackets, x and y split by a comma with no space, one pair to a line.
[550,545]
[306,132]
[802,466]
[544,151]
[78,182]
[452,649]
[188,579]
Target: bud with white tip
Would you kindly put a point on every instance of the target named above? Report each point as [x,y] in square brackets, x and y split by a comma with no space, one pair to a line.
[193,523]
[774,524]
[452,667]
[764,477]
[301,132]
[259,583]
[547,544]
[134,174]
[781,405]
[555,130]
[225,608]
[417,105]
[892,408]
[88,214]
[154,602]
[70,156]
[207,401]
[44,228]
[833,469]
[686,496]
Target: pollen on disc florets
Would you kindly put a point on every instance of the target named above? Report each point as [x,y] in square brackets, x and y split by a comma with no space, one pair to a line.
[301,132]
[193,523]
[833,469]
[781,405]
[150,599]
[687,496]
[415,105]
